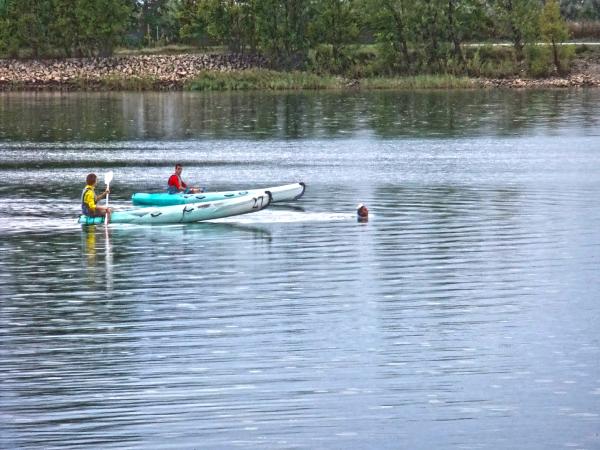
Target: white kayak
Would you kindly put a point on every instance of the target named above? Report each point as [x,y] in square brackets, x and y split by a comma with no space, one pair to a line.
[283,193]
[192,212]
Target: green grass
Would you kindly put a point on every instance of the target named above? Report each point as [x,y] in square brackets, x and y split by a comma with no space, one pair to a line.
[419,82]
[118,83]
[260,79]
[266,80]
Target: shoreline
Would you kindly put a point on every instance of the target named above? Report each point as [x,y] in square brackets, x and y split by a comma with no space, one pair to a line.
[226,72]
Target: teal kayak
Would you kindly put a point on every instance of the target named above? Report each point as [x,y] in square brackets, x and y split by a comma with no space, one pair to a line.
[192,212]
[284,193]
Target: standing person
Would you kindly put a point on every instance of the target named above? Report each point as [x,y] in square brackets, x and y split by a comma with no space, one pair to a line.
[89,199]
[176,184]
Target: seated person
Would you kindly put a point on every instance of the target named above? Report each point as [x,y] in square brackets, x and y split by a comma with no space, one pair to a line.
[89,199]
[176,184]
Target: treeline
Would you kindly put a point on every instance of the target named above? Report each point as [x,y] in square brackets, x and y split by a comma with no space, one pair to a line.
[357,37]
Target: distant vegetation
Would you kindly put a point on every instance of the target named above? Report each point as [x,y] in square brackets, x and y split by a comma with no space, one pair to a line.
[353,38]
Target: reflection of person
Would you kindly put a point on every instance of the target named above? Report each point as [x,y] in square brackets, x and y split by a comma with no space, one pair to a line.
[89,199]
[176,184]
[90,245]
[362,212]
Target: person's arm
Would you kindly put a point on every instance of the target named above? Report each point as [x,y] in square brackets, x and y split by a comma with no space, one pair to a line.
[101,196]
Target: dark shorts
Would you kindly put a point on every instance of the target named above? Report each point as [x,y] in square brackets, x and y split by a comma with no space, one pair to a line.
[173,190]
[96,213]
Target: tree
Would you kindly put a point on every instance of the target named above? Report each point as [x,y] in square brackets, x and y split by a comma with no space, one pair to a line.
[465,19]
[24,26]
[390,21]
[48,27]
[102,24]
[335,25]
[192,27]
[518,19]
[281,28]
[553,28]
[157,20]
[231,22]
[580,9]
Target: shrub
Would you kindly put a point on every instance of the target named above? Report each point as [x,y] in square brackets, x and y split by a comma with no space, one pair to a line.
[539,61]
[258,79]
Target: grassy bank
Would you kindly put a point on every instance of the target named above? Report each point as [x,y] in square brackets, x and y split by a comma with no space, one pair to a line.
[231,80]
[269,80]
[420,82]
[260,79]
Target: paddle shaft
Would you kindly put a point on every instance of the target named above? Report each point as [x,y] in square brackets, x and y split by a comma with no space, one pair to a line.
[107,179]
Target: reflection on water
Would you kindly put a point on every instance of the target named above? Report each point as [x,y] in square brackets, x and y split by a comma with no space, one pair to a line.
[463,314]
[93,117]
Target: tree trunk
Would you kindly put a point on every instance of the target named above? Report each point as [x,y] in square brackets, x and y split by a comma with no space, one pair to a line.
[555,54]
[517,37]
[453,34]
[400,32]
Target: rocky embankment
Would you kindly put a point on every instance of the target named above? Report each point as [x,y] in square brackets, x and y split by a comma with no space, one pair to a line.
[159,72]
[570,81]
[162,72]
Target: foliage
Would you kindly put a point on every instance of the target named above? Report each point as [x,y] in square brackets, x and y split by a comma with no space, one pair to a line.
[334,28]
[580,9]
[40,28]
[539,61]
[553,29]
[517,19]
[281,27]
[404,37]
[120,83]
[192,28]
[229,22]
[325,59]
[25,21]
[420,82]
[492,61]
[259,79]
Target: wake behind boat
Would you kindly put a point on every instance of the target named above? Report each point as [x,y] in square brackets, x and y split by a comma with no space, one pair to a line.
[192,212]
[283,193]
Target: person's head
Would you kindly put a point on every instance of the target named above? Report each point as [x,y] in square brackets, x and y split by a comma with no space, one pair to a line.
[178,168]
[362,211]
[91,179]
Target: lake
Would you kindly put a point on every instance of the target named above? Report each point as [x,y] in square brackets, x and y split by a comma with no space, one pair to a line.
[463,315]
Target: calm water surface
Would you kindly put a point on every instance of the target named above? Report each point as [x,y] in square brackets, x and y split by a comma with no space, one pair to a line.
[464,315]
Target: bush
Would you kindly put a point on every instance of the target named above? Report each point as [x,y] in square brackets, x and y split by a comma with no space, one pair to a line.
[363,62]
[419,82]
[566,55]
[492,53]
[322,60]
[258,79]
[491,61]
[539,60]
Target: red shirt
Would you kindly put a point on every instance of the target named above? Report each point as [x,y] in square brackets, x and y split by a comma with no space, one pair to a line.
[177,182]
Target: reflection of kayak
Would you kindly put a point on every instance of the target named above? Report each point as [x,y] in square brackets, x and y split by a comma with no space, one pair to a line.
[192,212]
[284,193]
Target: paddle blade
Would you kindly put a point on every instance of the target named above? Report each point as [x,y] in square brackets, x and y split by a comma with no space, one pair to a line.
[108,177]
